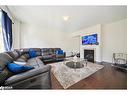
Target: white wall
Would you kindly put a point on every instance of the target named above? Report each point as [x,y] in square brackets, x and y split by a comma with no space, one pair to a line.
[114,38]
[16,34]
[38,36]
[76,43]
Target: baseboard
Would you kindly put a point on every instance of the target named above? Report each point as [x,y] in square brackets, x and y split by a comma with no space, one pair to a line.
[106,62]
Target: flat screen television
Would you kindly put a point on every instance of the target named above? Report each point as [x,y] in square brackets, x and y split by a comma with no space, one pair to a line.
[90,40]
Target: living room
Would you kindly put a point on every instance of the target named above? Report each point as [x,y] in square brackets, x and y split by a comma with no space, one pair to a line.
[70,41]
[64,28]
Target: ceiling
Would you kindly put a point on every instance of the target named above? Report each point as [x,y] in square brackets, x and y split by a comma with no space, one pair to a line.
[80,16]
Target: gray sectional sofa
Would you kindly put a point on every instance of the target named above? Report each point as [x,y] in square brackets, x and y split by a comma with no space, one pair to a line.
[37,78]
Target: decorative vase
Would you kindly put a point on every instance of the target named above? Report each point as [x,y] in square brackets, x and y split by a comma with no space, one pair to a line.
[75,58]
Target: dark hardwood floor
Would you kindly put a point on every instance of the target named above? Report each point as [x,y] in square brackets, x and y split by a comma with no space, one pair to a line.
[106,78]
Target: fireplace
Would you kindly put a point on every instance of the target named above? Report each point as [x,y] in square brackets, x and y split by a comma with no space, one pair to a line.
[89,55]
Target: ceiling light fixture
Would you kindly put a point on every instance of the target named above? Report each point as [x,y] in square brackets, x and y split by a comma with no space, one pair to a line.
[66,18]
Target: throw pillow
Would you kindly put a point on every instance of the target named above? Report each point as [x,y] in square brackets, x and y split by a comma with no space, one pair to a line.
[16,69]
[59,52]
[32,53]
[27,55]
[24,57]
[19,63]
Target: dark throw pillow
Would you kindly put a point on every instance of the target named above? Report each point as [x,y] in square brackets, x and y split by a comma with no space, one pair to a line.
[16,68]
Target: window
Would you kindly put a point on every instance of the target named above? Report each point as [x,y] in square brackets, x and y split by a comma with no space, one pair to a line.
[1,36]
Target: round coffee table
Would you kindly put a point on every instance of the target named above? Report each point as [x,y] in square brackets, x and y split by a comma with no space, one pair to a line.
[79,63]
[74,65]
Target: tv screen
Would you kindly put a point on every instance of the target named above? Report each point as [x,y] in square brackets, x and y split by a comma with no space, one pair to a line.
[90,39]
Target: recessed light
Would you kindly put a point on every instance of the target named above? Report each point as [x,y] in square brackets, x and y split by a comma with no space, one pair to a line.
[66,18]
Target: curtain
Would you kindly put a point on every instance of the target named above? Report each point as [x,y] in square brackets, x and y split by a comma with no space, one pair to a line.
[7,31]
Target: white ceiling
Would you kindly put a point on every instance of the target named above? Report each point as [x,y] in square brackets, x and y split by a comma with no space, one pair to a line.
[80,16]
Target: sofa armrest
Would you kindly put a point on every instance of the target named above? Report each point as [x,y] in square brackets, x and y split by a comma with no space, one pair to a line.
[40,57]
[27,74]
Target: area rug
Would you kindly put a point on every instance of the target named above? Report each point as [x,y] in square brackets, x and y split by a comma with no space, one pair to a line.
[68,76]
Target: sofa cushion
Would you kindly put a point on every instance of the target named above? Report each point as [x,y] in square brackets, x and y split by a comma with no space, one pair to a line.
[20,60]
[18,51]
[13,54]
[39,57]
[4,59]
[16,68]
[36,49]
[45,57]
[45,51]
[5,74]
[24,52]
[35,62]
[2,65]
[59,56]
[27,49]
[38,53]
[55,49]
[51,51]
[25,57]
[28,74]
